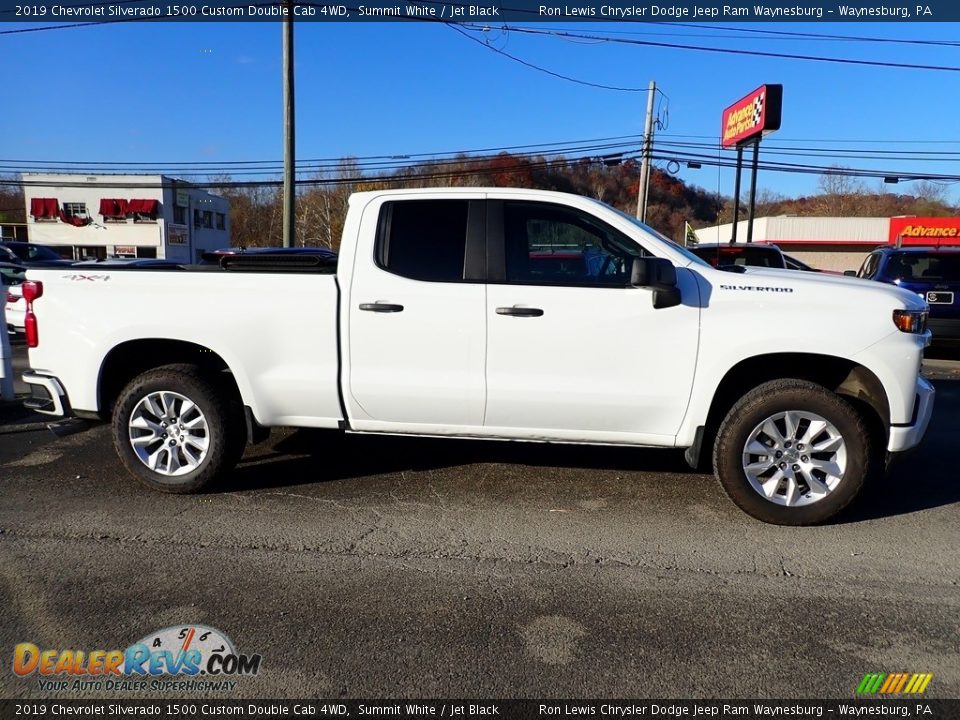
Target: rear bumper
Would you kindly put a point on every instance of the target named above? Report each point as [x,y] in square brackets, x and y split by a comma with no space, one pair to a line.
[47,395]
[905,437]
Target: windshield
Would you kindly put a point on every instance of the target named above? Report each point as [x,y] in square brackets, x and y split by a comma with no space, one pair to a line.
[646,228]
[922,267]
[755,256]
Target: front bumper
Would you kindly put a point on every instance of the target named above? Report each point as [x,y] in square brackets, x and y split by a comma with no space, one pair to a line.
[905,437]
[944,328]
[47,395]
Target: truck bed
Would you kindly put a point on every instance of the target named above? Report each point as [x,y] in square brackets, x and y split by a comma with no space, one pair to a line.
[287,372]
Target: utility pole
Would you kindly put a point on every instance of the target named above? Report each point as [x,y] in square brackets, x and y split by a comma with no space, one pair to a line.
[289,132]
[642,191]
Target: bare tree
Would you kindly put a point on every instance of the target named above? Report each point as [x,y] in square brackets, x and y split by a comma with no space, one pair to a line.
[841,193]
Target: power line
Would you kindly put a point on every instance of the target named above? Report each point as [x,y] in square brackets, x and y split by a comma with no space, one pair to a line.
[729,51]
[556,146]
[616,147]
[784,34]
[419,177]
[539,68]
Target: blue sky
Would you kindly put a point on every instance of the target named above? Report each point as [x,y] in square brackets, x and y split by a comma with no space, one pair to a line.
[180,92]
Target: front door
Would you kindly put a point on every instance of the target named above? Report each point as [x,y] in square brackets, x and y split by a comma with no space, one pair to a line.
[573,350]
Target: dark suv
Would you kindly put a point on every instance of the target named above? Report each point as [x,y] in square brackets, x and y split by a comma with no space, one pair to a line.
[932,273]
[752,254]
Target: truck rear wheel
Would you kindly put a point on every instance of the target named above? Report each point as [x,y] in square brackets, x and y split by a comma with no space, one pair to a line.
[176,430]
[791,452]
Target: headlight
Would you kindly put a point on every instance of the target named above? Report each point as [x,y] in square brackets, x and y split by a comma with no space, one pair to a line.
[910,321]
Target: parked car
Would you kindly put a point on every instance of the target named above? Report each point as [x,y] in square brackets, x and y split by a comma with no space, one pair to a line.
[215,256]
[154,263]
[30,254]
[11,276]
[795,264]
[743,254]
[436,323]
[933,273]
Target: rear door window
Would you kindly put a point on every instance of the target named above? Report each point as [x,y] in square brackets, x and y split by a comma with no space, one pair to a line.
[424,239]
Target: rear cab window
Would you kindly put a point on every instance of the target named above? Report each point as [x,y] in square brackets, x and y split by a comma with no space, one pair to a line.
[423,239]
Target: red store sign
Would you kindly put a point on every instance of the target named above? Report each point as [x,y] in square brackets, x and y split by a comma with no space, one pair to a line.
[925,230]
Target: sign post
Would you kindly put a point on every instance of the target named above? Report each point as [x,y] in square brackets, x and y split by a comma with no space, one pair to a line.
[6,356]
[744,123]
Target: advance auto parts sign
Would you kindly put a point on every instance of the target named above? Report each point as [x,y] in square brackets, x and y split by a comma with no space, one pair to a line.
[752,116]
[934,231]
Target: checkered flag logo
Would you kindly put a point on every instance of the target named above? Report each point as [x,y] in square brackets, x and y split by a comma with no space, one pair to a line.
[758,108]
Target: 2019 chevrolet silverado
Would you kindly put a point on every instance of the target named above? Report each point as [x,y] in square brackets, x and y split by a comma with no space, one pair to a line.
[445,315]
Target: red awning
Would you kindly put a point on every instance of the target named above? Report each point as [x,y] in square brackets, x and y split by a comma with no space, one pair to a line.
[44,207]
[144,207]
[113,207]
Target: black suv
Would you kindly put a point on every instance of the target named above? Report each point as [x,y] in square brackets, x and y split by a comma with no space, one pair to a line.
[932,273]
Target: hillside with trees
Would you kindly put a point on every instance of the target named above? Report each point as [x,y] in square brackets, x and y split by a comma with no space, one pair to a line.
[321,202]
[256,208]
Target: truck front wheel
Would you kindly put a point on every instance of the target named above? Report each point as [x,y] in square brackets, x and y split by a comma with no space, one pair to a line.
[176,430]
[791,452]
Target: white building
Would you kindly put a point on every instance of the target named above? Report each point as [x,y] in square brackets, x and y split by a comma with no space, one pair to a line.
[829,243]
[147,216]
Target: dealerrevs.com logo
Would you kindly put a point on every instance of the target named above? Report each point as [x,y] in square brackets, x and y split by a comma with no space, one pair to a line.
[179,658]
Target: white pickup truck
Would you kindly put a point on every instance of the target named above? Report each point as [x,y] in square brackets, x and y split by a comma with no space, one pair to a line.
[493,313]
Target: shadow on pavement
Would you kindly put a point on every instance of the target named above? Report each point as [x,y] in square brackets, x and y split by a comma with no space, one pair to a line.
[316,456]
[925,478]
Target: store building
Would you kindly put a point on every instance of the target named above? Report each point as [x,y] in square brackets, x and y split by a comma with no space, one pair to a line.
[832,243]
[145,216]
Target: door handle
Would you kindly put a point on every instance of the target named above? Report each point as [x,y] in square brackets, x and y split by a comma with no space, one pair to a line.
[520,311]
[381,307]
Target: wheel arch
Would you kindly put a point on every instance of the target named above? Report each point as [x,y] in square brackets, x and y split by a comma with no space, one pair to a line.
[134,357]
[855,382]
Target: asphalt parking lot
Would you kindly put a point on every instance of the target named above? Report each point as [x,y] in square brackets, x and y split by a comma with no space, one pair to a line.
[378,567]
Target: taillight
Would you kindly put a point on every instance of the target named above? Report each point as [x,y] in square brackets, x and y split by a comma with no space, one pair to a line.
[31,289]
[30,329]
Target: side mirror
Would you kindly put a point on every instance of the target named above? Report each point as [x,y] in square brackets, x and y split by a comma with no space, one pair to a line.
[660,275]
[850,273]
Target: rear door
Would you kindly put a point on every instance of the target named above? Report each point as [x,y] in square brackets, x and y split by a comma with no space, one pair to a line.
[574,351]
[417,326]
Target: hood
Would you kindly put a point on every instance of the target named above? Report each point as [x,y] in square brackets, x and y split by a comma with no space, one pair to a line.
[812,281]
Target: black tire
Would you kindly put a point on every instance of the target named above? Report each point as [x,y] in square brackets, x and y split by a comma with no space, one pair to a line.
[780,396]
[225,433]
